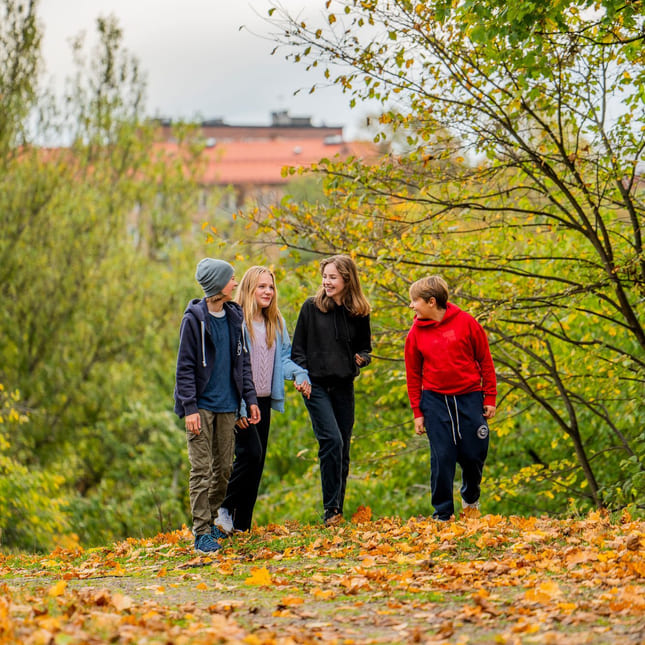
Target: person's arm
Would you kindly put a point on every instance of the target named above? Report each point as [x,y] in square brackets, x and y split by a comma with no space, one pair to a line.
[249,396]
[299,344]
[242,421]
[291,370]
[363,344]
[187,361]
[414,375]
[489,378]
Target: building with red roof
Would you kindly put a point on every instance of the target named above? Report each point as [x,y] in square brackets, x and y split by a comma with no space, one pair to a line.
[250,159]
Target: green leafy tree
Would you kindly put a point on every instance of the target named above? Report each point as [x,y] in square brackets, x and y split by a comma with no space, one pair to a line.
[521,185]
[32,501]
[92,232]
[525,26]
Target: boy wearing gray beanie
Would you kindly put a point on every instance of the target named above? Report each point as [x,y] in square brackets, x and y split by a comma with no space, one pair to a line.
[213,376]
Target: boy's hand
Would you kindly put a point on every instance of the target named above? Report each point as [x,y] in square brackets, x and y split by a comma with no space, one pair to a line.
[419,425]
[193,423]
[489,411]
[255,414]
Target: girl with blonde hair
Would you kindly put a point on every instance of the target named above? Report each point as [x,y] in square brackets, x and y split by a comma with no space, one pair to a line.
[269,346]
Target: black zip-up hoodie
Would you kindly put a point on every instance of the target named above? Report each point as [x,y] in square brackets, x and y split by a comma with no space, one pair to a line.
[196,356]
[325,343]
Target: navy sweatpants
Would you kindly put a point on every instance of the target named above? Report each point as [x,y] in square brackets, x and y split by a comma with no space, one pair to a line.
[458,434]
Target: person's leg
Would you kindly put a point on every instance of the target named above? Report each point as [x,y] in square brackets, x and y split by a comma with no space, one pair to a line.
[440,422]
[473,446]
[342,398]
[223,452]
[250,453]
[330,446]
[247,451]
[200,450]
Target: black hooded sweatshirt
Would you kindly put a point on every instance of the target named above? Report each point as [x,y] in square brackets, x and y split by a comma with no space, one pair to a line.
[325,343]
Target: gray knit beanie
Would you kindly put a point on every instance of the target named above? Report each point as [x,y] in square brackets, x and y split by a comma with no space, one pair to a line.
[213,275]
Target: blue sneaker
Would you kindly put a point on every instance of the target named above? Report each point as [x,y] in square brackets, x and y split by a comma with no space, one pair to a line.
[217,533]
[206,544]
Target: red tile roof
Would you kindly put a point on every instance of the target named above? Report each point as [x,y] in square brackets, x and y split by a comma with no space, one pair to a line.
[260,162]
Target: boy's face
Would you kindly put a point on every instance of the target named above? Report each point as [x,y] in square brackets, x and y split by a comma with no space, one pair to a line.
[423,309]
[227,291]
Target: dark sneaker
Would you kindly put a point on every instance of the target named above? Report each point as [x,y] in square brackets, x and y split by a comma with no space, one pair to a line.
[205,544]
[217,533]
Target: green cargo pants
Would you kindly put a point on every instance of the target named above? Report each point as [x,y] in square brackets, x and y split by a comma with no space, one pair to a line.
[211,455]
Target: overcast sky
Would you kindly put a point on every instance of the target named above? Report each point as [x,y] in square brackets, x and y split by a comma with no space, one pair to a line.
[198,62]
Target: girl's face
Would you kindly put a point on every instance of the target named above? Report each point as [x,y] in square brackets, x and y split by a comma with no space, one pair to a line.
[265,291]
[333,283]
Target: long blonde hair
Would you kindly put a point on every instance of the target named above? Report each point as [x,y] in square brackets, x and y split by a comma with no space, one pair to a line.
[354,299]
[245,297]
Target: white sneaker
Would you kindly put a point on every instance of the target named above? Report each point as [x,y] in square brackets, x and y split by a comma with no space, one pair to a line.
[224,521]
[470,510]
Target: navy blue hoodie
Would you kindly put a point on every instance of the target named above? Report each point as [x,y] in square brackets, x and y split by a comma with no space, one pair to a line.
[196,357]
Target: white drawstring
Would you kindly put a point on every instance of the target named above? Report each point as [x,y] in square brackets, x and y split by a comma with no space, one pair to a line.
[454,398]
[203,345]
[452,421]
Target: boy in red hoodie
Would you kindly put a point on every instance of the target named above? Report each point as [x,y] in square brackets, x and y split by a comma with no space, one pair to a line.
[452,389]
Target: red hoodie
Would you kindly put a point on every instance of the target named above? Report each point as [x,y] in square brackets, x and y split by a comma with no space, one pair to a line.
[448,357]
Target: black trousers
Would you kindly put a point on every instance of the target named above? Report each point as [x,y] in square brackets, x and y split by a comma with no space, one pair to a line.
[331,409]
[458,434]
[250,453]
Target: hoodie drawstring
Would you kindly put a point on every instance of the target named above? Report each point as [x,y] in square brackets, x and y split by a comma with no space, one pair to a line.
[203,326]
[452,421]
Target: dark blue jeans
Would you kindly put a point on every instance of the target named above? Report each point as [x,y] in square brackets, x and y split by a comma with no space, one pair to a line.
[331,409]
[250,453]
[458,434]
